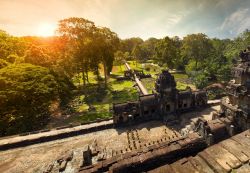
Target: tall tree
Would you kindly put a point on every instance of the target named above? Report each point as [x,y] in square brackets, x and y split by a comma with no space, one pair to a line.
[108,43]
[10,45]
[80,34]
[128,45]
[149,45]
[140,53]
[37,55]
[26,92]
[197,47]
[119,57]
[167,52]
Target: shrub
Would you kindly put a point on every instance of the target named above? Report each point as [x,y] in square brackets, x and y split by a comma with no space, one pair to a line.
[26,92]
[3,63]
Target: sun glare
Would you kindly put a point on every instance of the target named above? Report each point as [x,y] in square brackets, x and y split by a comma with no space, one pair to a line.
[46,29]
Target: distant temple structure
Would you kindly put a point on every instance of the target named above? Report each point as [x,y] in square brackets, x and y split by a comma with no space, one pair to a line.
[165,100]
[237,103]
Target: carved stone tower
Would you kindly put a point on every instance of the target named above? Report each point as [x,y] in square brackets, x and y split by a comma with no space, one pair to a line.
[165,84]
[165,88]
[237,104]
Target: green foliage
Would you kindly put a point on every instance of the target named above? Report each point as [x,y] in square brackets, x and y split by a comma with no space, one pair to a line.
[206,59]
[140,53]
[64,88]
[200,80]
[143,51]
[37,56]
[88,46]
[26,92]
[149,83]
[168,52]
[196,47]
[215,93]
[121,85]
[180,76]
[80,51]
[92,116]
[128,45]
[181,86]
[234,46]
[191,67]
[10,45]
[119,57]
[3,63]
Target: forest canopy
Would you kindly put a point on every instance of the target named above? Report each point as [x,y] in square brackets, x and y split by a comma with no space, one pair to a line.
[25,96]
[35,71]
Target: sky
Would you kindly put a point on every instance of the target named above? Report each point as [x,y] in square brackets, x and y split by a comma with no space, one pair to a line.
[130,18]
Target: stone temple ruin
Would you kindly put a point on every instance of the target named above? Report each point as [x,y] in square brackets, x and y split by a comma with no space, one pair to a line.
[216,142]
[165,100]
[234,114]
[232,118]
[237,104]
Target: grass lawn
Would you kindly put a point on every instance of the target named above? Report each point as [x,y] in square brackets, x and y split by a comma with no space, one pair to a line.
[91,116]
[149,83]
[180,76]
[94,101]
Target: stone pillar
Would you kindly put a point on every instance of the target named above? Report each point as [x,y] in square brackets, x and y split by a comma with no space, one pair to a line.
[210,139]
[231,130]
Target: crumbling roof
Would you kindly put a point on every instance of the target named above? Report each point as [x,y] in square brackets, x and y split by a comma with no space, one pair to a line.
[148,99]
[185,94]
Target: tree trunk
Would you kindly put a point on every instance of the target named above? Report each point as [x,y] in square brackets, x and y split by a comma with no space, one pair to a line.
[87,76]
[83,78]
[79,78]
[105,73]
[83,75]
[97,73]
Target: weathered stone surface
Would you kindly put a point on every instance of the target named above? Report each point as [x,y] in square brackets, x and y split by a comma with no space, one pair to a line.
[218,158]
[165,100]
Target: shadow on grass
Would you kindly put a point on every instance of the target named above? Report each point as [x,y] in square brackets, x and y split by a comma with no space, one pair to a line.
[125,95]
[91,116]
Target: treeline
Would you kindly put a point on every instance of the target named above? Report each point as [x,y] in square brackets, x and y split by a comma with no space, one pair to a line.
[30,82]
[204,59]
[36,72]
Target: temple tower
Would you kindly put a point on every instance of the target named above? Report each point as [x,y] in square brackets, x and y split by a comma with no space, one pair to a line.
[237,104]
[165,88]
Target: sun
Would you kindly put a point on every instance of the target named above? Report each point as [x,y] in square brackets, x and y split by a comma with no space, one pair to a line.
[46,29]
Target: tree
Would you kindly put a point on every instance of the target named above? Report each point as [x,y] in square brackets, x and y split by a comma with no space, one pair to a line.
[128,45]
[197,47]
[119,57]
[10,45]
[3,63]
[167,52]
[46,52]
[149,46]
[108,43]
[140,53]
[80,34]
[218,65]
[90,45]
[26,92]
[239,43]
[37,56]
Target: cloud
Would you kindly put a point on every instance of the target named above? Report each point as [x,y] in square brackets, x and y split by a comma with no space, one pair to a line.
[237,22]
[129,18]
